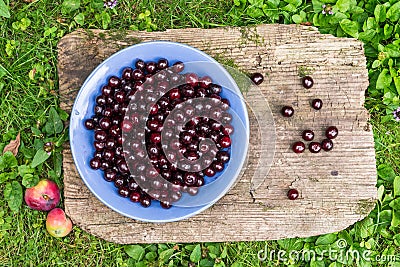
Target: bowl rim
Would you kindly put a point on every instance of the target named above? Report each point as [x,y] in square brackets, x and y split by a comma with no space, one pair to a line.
[245,122]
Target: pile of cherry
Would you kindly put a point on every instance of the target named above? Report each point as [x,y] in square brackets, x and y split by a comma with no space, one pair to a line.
[115,116]
[308,135]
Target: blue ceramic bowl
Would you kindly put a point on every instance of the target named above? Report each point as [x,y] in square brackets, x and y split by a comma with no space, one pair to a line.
[81,140]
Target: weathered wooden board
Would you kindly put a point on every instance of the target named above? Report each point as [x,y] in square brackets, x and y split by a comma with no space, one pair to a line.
[336,188]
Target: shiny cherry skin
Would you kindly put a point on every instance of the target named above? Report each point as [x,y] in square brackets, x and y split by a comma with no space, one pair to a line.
[316,104]
[257,78]
[287,111]
[298,147]
[307,82]
[314,147]
[293,194]
[308,135]
[331,132]
[327,144]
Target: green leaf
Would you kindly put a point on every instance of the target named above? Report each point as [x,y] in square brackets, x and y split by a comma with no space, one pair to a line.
[343,5]
[105,19]
[367,35]
[57,162]
[6,176]
[289,8]
[151,256]
[346,236]
[317,263]
[380,13]
[297,19]
[387,30]
[394,12]
[256,3]
[381,191]
[395,218]
[166,254]
[326,239]
[385,218]
[80,19]
[209,263]
[392,50]
[195,256]
[295,3]
[69,6]
[40,157]
[254,12]
[54,125]
[4,10]
[376,64]
[396,186]
[396,239]
[25,169]
[29,180]
[135,251]
[384,79]
[349,27]
[397,84]
[13,195]
[395,204]
[8,160]
[291,244]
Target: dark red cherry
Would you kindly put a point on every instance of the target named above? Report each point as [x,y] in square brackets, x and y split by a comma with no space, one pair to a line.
[308,135]
[314,147]
[327,144]
[209,172]
[190,179]
[307,82]
[223,156]
[205,81]
[178,67]
[105,123]
[287,111]
[89,124]
[151,67]
[134,196]
[110,175]
[100,136]
[145,201]
[95,163]
[127,74]
[162,64]
[292,194]
[192,79]
[114,82]
[137,75]
[316,104]
[225,141]
[107,91]
[140,64]
[123,192]
[165,204]
[99,146]
[331,132]
[257,78]
[101,100]
[298,147]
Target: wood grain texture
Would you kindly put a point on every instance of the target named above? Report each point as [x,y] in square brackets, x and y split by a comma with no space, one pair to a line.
[336,188]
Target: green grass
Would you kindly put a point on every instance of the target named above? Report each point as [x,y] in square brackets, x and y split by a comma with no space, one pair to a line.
[28,91]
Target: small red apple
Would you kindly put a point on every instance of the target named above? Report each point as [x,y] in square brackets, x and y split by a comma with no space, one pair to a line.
[43,196]
[57,223]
